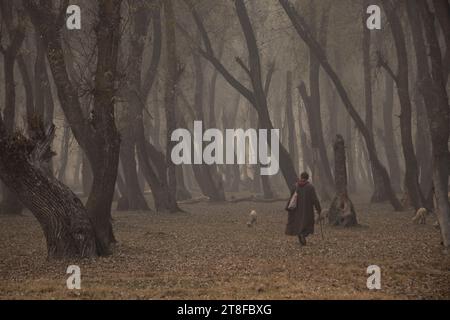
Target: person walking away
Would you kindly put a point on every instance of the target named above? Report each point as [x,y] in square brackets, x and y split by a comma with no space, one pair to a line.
[301,210]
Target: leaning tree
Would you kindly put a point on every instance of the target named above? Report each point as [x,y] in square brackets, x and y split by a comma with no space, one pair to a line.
[98,135]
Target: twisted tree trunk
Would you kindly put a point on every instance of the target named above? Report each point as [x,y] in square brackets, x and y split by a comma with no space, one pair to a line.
[62,216]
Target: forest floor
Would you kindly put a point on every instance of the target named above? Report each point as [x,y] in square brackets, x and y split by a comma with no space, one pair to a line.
[208,252]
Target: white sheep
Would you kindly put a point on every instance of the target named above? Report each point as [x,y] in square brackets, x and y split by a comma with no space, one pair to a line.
[253,217]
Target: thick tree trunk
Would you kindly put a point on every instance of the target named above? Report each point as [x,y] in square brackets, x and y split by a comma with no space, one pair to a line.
[290,119]
[182,191]
[86,176]
[424,100]
[342,212]
[379,192]
[424,152]
[104,164]
[389,136]
[306,151]
[77,170]
[206,175]
[122,201]
[61,214]
[28,87]
[229,118]
[133,191]
[170,99]
[256,182]
[39,69]
[319,164]
[10,203]
[153,161]
[133,113]
[442,12]
[304,33]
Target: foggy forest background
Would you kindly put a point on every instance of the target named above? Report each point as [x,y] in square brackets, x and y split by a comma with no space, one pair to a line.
[87,114]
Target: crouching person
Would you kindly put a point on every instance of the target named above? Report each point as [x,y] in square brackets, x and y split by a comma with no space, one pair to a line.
[301,207]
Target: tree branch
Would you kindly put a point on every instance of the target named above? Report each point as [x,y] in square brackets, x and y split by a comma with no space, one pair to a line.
[270,72]
[243,66]
[381,62]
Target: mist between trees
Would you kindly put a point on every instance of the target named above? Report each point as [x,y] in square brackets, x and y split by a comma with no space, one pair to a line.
[88,115]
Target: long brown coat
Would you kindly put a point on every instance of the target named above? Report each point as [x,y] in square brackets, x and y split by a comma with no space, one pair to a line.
[301,221]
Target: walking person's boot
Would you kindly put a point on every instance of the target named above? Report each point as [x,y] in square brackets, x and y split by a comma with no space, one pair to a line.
[302,239]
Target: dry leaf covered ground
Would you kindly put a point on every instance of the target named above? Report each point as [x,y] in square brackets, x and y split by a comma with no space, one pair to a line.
[210,253]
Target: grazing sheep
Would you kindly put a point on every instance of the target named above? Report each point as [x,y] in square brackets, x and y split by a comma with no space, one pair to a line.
[421,216]
[253,217]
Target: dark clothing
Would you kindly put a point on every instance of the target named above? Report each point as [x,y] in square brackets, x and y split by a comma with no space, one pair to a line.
[301,220]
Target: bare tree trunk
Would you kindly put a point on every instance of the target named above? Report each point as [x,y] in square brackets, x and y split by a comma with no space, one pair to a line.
[423,101]
[389,136]
[207,174]
[442,12]
[342,212]
[86,176]
[306,151]
[62,216]
[173,73]
[290,119]
[134,113]
[182,192]
[379,192]
[134,193]
[402,80]
[317,143]
[77,170]
[10,203]
[350,155]
[229,117]
[39,79]
[28,86]
[104,164]
[424,152]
